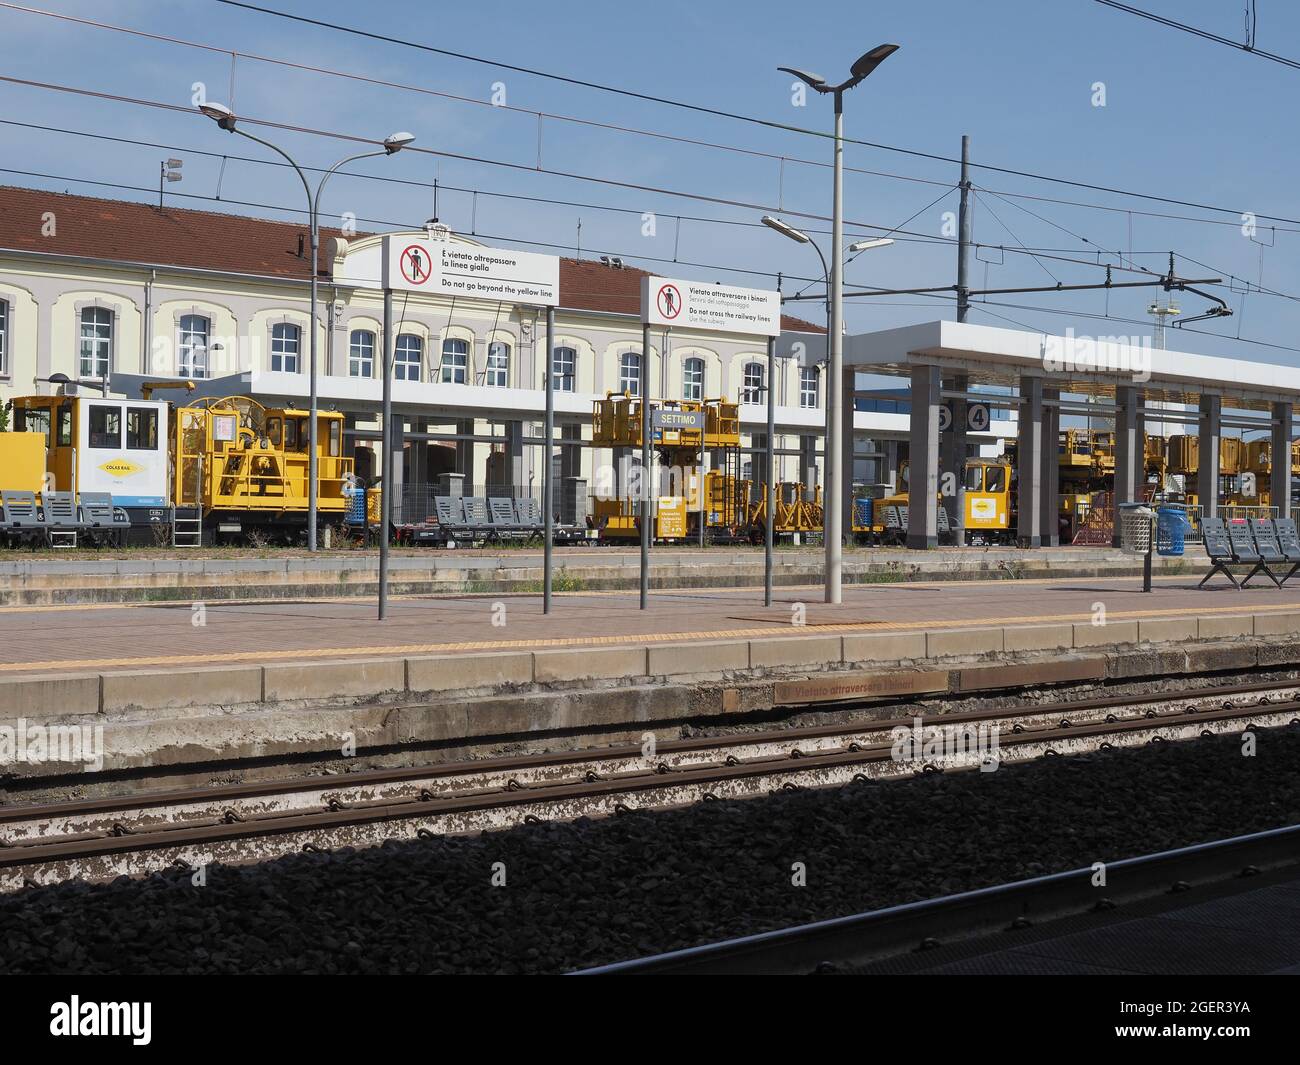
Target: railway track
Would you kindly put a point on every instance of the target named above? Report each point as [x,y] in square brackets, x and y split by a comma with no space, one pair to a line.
[134,835]
[862,938]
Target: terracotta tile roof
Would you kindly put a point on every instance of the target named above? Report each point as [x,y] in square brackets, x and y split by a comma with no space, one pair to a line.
[90,227]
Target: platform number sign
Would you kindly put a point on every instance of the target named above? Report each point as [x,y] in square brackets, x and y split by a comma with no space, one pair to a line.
[945,417]
[978,418]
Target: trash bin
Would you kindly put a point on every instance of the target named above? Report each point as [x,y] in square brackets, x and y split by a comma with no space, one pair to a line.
[1135,528]
[862,513]
[1172,528]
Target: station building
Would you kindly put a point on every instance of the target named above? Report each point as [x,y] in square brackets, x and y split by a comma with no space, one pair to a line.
[94,287]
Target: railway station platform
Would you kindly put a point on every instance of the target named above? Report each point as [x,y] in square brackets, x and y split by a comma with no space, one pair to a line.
[195,682]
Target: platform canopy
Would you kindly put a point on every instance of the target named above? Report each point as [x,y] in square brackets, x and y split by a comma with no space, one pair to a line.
[1078,364]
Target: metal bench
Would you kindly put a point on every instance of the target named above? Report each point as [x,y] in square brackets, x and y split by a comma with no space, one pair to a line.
[62,518]
[1243,547]
[21,519]
[1289,541]
[477,513]
[1270,552]
[502,513]
[105,523]
[943,526]
[528,514]
[1218,548]
[449,511]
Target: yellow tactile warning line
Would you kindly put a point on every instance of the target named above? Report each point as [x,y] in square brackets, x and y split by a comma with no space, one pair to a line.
[397,651]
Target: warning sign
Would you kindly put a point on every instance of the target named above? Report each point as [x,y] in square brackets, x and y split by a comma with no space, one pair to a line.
[721,308]
[470,270]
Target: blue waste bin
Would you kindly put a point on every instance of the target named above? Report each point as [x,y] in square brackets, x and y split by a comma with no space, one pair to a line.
[356,511]
[1172,528]
[862,513]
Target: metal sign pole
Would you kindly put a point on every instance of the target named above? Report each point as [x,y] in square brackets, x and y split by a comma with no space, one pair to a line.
[646,517]
[386,477]
[548,462]
[770,472]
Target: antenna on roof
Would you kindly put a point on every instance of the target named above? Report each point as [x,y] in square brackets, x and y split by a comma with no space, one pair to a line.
[579,238]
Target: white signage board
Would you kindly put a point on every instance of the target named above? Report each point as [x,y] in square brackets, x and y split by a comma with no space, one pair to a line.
[439,267]
[697,305]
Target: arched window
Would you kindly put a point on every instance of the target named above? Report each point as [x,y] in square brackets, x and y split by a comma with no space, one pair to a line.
[564,367]
[693,379]
[361,353]
[407,357]
[455,362]
[629,373]
[286,342]
[96,342]
[808,386]
[498,364]
[192,346]
[752,389]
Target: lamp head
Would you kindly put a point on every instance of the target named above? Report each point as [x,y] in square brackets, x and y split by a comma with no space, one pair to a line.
[220,114]
[813,81]
[395,142]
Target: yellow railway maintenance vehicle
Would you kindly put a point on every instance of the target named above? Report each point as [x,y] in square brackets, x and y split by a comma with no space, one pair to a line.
[988,518]
[681,431]
[243,468]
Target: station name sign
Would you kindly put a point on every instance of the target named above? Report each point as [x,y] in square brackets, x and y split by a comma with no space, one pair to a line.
[677,419]
[721,308]
[439,267]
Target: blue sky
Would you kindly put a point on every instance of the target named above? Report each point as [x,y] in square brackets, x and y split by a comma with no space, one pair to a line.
[1183,117]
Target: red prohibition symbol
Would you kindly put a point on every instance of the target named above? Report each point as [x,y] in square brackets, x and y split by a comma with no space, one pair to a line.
[669,301]
[415,264]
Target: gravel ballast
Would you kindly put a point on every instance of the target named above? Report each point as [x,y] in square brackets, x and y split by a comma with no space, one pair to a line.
[596,891]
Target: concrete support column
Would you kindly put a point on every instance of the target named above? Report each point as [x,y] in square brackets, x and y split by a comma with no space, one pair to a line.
[1279,484]
[465,453]
[571,451]
[1049,514]
[1029,464]
[808,463]
[1127,447]
[923,464]
[393,468]
[513,470]
[952,457]
[890,473]
[1207,470]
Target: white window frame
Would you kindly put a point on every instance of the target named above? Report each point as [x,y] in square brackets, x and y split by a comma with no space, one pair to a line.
[361,353]
[286,348]
[751,392]
[497,372]
[693,379]
[455,362]
[192,359]
[5,328]
[404,367]
[564,381]
[95,349]
[628,380]
[809,374]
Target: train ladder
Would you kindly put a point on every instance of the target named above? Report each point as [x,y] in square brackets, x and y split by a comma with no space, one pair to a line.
[187,527]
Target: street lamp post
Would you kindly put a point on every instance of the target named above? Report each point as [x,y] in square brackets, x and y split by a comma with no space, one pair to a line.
[832,507]
[834,410]
[225,118]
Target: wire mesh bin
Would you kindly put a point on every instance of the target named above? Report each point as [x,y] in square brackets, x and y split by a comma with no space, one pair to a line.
[1135,528]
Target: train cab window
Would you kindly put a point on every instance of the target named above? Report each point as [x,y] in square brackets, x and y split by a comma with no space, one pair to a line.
[274,431]
[291,434]
[105,426]
[995,479]
[33,420]
[63,426]
[974,478]
[336,439]
[141,429]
